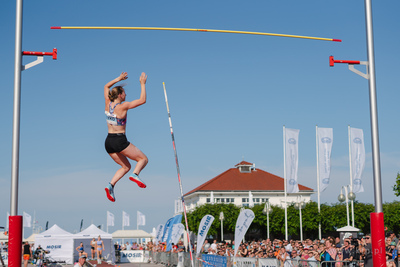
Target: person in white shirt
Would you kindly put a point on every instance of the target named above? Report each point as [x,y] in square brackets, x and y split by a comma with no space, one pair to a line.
[214,245]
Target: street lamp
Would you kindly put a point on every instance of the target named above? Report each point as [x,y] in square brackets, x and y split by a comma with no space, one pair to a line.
[299,204]
[267,210]
[221,218]
[348,196]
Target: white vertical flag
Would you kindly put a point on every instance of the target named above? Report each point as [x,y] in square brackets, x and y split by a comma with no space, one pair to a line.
[357,158]
[292,160]
[325,140]
[251,202]
[8,215]
[212,197]
[178,206]
[141,219]
[242,225]
[125,219]
[204,226]
[110,219]
[27,220]
[177,230]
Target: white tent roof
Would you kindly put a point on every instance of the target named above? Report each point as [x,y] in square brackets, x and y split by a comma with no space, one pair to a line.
[130,234]
[30,239]
[92,231]
[54,230]
[3,237]
[348,228]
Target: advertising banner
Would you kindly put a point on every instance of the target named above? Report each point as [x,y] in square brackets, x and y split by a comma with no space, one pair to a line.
[245,262]
[131,256]
[291,159]
[325,140]
[268,263]
[204,226]
[213,260]
[357,158]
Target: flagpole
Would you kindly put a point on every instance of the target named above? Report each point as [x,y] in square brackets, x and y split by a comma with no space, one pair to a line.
[284,175]
[318,182]
[351,176]
[107,221]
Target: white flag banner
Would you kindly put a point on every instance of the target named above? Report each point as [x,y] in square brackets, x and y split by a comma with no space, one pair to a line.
[212,197]
[27,220]
[204,226]
[242,225]
[325,140]
[110,219]
[125,219]
[141,219]
[251,202]
[292,160]
[178,206]
[357,158]
[8,215]
[159,233]
[177,230]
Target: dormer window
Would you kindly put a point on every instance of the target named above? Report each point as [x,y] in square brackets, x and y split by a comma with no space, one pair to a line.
[245,167]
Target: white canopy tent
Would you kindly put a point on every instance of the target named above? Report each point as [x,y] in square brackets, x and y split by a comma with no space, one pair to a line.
[86,237]
[3,237]
[31,238]
[130,234]
[58,242]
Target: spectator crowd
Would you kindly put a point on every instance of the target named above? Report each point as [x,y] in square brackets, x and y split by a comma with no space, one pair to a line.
[346,252]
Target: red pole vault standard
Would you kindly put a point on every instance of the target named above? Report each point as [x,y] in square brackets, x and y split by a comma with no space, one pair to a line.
[15,221]
[377,218]
[32,53]
[332,61]
[351,64]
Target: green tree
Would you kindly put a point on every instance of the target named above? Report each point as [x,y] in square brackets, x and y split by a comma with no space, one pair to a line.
[396,187]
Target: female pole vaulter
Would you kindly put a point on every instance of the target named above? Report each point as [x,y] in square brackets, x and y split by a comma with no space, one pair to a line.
[116,144]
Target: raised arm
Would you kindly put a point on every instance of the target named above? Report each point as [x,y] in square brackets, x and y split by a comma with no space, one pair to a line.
[142,99]
[122,76]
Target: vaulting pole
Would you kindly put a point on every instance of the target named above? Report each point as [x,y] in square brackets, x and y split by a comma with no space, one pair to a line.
[179,175]
[192,30]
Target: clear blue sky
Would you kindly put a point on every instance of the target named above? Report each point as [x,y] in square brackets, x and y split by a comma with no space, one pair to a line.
[229,97]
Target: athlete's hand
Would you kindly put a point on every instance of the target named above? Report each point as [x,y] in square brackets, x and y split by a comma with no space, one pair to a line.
[123,76]
[143,78]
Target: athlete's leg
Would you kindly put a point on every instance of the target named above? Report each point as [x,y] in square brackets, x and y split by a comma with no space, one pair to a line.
[125,166]
[135,154]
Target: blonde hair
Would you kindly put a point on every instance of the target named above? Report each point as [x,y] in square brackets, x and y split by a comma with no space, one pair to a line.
[113,94]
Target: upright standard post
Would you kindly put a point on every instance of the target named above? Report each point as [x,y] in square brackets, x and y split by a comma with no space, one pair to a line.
[15,221]
[179,175]
[284,174]
[318,185]
[377,220]
[351,176]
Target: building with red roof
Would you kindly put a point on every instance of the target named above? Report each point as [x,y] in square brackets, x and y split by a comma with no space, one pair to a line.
[245,185]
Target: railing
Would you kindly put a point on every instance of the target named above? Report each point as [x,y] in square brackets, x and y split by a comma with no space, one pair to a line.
[182,259]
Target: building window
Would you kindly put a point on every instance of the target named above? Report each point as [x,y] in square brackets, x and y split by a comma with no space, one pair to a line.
[208,200]
[245,205]
[245,200]
[244,169]
[232,200]
[222,200]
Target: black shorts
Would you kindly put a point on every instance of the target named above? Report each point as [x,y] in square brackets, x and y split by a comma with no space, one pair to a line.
[115,143]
